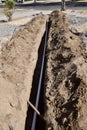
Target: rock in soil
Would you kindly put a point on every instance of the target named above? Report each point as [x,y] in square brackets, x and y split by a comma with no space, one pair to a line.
[65,77]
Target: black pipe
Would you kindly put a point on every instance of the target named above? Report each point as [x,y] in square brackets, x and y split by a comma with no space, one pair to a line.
[40,80]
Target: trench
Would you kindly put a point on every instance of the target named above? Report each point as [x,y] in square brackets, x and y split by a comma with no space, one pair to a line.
[40,124]
[64,113]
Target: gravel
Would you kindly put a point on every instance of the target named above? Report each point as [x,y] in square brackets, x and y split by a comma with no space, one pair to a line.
[78,20]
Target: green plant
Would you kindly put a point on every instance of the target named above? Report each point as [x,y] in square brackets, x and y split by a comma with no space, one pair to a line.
[10,4]
[9,8]
[8,13]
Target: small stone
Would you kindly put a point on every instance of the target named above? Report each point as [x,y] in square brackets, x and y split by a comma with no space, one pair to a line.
[11,127]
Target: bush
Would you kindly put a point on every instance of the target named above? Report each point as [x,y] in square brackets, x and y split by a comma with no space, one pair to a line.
[10,4]
[8,10]
[8,13]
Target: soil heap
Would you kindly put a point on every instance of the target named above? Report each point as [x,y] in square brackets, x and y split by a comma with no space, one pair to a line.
[65,77]
[17,64]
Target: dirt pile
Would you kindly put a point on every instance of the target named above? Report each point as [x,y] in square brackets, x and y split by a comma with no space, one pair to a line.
[65,77]
[17,63]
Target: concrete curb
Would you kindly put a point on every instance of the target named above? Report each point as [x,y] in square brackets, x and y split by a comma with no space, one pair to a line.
[68,3]
[71,3]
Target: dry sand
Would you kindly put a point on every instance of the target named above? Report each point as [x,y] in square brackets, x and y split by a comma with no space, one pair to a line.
[65,77]
[17,63]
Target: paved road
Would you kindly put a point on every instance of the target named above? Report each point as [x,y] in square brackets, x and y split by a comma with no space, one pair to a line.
[24,11]
[7,29]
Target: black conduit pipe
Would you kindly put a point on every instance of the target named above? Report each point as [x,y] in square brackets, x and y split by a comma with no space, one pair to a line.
[40,80]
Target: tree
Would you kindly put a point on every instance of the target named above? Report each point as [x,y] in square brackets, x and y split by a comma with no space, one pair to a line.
[35,1]
[62,5]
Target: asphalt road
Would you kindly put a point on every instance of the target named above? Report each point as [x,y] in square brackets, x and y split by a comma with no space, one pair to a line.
[33,10]
[7,29]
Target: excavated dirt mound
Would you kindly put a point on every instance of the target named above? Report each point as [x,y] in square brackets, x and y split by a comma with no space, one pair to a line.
[65,77]
[17,64]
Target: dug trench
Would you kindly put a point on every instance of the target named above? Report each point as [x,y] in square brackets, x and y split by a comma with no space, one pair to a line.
[35,83]
[40,121]
[63,98]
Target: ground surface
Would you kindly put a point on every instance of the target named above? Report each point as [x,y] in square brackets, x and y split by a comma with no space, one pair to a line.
[65,76]
[18,59]
[17,63]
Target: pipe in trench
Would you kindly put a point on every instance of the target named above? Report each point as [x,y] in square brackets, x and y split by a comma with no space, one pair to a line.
[40,80]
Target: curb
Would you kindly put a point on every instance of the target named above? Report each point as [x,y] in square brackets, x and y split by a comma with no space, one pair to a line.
[68,3]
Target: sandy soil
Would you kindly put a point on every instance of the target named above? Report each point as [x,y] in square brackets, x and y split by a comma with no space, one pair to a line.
[65,77]
[17,63]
